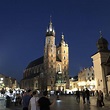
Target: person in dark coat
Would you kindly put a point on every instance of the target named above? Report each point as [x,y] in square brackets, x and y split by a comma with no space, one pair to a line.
[44,103]
[26,99]
[83,96]
[87,96]
[101,96]
[78,96]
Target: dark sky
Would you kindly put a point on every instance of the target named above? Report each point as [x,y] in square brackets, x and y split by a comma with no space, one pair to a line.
[23,25]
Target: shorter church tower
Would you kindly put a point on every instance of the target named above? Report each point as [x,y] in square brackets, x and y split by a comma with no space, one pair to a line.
[62,64]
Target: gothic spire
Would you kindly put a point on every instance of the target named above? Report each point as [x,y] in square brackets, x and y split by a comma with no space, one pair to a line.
[50,30]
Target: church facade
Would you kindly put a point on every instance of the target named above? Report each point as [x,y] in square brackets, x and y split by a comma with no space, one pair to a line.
[50,71]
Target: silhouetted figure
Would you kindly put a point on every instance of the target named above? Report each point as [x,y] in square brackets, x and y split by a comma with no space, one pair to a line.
[26,99]
[87,96]
[101,103]
[8,101]
[44,103]
[78,96]
[83,96]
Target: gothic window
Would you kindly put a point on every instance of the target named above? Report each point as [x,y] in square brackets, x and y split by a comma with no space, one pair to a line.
[64,58]
[51,66]
[58,67]
[64,51]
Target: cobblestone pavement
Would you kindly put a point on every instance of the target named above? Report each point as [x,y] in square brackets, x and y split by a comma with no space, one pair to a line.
[69,103]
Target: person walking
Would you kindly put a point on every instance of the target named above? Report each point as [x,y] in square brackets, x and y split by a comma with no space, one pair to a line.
[99,104]
[78,96]
[97,95]
[33,104]
[101,96]
[26,99]
[44,103]
[83,96]
[87,96]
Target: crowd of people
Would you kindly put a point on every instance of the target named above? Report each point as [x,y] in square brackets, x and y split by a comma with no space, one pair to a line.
[85,96]
[31,101]
[85,93]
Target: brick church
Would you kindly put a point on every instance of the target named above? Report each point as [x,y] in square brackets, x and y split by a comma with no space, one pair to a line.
[50,71]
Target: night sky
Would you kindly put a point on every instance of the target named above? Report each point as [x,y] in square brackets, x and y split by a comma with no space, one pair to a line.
[23,25]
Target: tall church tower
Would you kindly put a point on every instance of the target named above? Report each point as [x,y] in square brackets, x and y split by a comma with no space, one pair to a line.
[50,56]
[63,55]
[99,59]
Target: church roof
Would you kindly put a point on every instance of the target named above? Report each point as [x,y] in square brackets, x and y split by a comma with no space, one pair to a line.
[32,76]
[35,62]
[102,41]
[102,44]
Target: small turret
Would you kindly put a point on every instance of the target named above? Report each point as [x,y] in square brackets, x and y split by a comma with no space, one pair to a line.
[62,42]
[102,44]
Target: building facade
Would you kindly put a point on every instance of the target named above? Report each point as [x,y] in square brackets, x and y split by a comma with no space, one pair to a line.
[49,72]
[86,79]
[101,65]
[7,82]
[73,83]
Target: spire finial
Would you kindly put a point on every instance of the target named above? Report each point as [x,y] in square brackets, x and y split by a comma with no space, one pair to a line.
[100,33]
[62,36]
[50,18]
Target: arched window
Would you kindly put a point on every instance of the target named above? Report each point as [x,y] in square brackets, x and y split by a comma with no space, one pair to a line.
[64,58]
[58,67]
